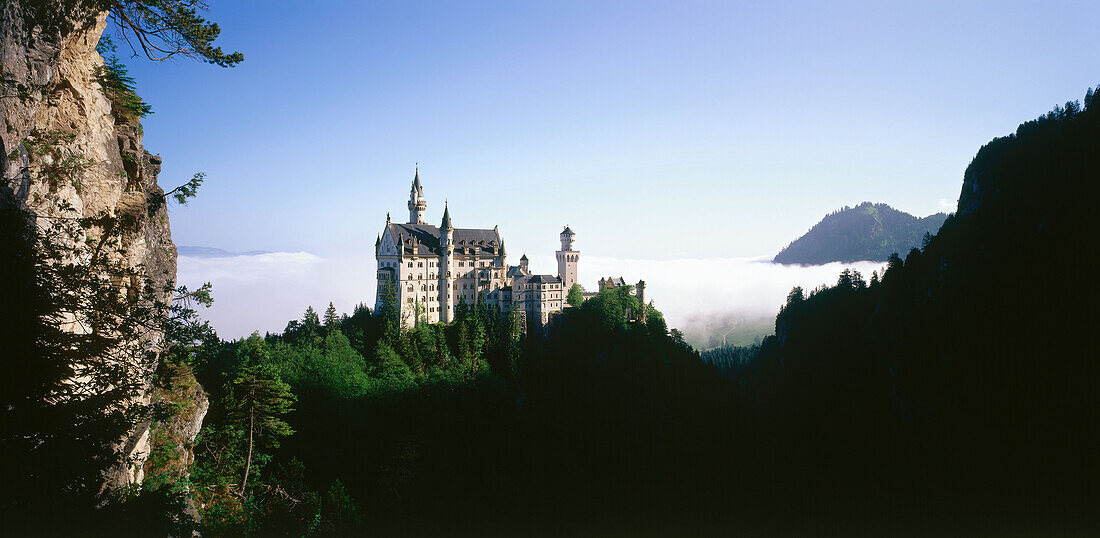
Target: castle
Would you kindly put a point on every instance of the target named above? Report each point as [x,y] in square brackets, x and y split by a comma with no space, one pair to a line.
[429,270]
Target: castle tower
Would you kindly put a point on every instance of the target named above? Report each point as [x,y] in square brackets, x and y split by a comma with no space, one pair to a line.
[446,247]
[523,264]
[567,260]
[418,205]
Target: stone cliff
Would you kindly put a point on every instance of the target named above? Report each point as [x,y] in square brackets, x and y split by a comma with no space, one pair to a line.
[57,115]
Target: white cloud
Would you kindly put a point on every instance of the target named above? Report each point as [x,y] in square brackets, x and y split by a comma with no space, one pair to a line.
[262,292]
[948,205]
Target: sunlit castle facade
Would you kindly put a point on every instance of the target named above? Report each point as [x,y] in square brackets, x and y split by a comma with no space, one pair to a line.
[432,269]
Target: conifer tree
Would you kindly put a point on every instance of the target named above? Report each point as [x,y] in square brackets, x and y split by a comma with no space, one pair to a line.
[331,317]
[262,399]
[310,318]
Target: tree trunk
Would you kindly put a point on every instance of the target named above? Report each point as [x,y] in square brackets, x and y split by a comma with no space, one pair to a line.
[248,461]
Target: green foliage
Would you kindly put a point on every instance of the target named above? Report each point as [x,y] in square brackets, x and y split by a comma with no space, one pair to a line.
[464,363]
[261,399]
[118,85]
[394,373]
[331,317]
[188,190]
[162,29]
[575,296]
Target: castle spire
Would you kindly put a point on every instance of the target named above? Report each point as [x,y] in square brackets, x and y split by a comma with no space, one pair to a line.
[418,205]
[417,188]
[447,246]
[446,225]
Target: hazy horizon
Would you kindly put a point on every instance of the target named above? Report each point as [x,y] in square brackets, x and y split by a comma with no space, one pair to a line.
[262,292]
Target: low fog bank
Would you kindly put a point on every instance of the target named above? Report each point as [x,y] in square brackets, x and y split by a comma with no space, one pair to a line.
[262,292]
[703,297]
[707,297]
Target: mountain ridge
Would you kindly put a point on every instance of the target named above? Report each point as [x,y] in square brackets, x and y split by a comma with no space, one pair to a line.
[211,252]
[866,232]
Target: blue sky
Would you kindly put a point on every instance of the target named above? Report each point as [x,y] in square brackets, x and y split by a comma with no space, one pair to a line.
[656,130]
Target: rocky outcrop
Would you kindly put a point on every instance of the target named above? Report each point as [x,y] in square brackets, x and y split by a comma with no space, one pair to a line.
[56,114]
[181,405]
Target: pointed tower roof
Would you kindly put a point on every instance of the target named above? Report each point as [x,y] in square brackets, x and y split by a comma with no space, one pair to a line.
[378,242]
[446,225]
[567,231]
[416,187]
[524,257]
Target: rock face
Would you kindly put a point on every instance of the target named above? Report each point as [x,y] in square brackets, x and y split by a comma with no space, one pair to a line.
[51,93]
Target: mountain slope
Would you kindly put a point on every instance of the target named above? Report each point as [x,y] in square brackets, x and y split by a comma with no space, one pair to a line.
[865,232]
[968,358]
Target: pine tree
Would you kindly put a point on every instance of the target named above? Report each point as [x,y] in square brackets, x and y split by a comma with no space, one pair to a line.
[331,317]
[262,398]
[310,318]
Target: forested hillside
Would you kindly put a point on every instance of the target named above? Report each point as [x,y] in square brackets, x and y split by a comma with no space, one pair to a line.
[469,426]
[961,383]
[867,231]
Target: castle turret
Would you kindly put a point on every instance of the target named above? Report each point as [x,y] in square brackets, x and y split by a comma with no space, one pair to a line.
[446,283]
[523,264]
[567,259]
[418,205]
